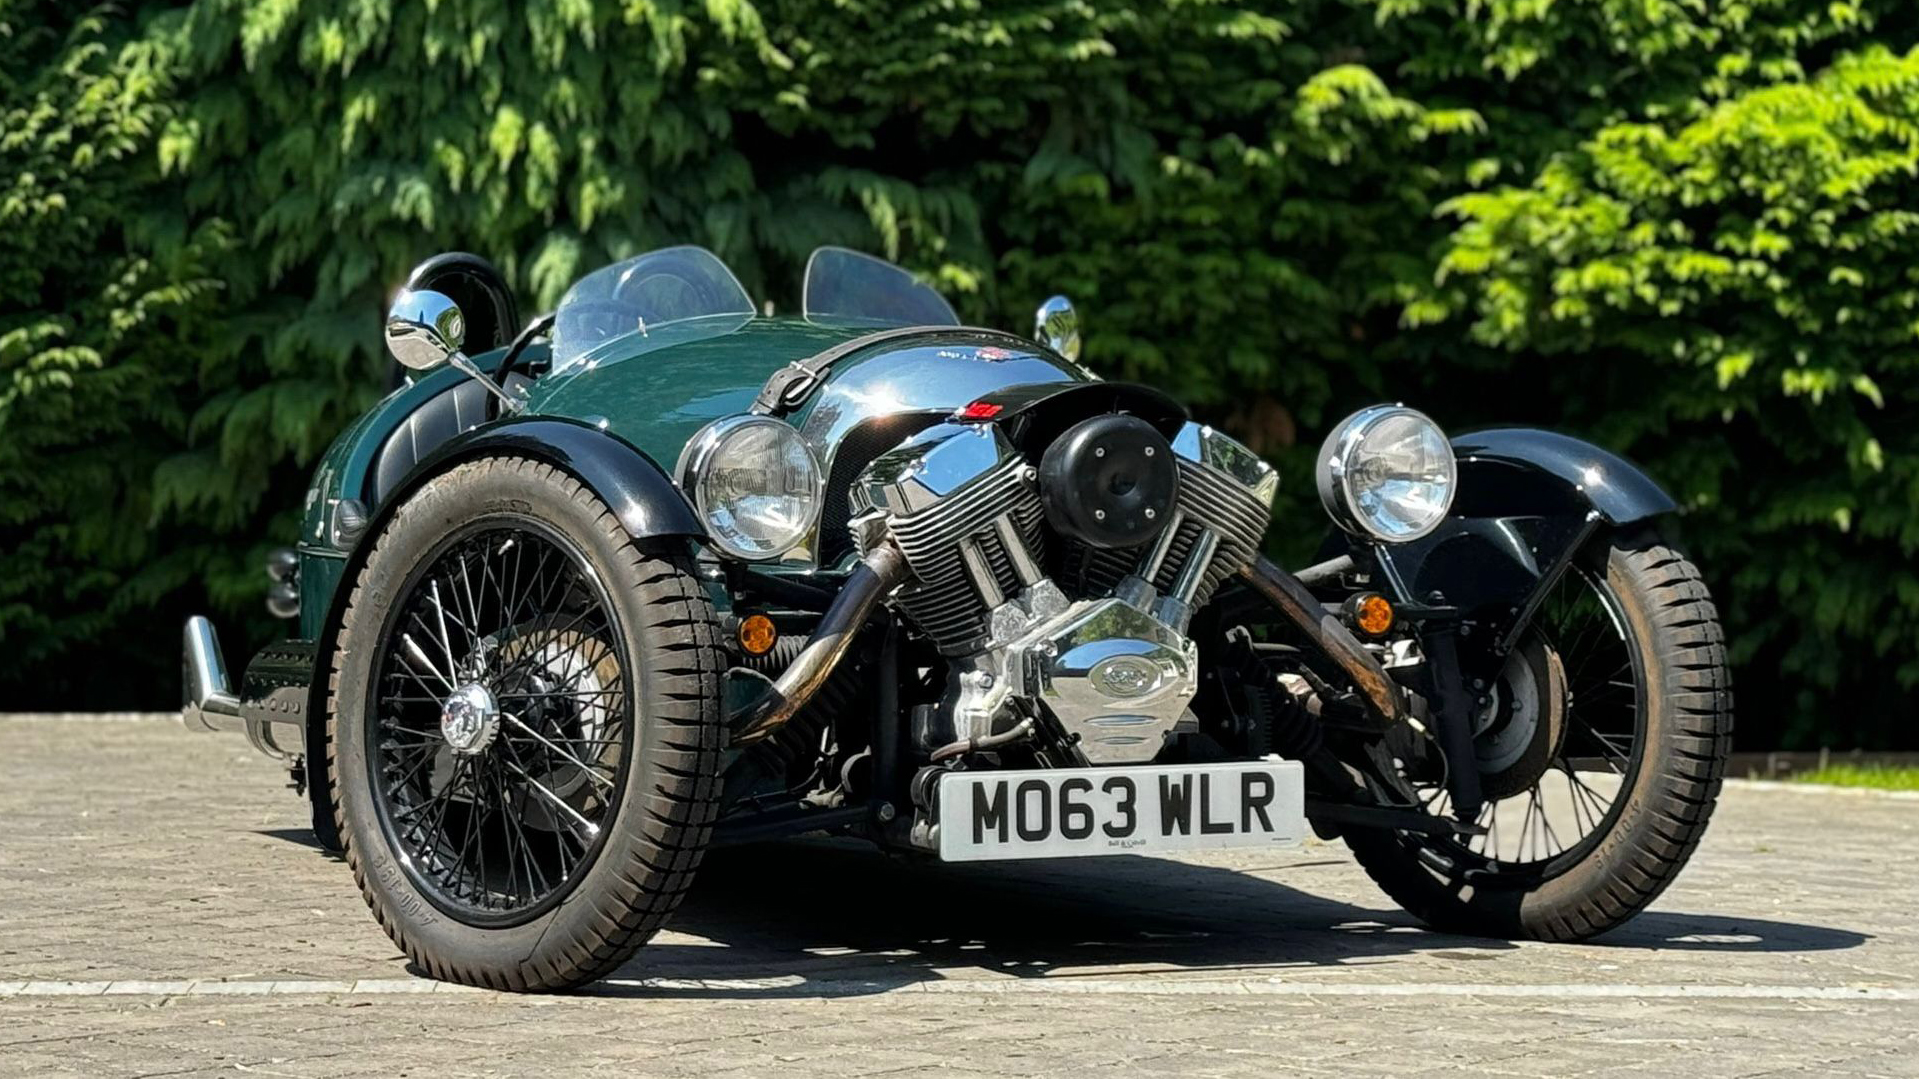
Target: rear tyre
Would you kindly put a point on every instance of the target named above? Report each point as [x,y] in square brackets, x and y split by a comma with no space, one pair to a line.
[525,729]
[1651,703]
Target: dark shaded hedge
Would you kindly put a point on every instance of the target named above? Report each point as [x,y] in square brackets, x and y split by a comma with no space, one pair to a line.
[1682,228]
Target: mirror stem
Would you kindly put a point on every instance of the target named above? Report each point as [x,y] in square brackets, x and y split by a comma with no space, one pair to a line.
[508,403]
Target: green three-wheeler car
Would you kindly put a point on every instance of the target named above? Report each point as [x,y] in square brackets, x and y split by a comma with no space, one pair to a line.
[661,570]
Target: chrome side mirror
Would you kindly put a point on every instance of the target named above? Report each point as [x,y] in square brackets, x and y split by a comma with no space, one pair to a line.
[1056,325]
[424,329]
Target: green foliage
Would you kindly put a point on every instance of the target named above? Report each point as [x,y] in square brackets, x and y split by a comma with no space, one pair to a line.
[110,297]
[1280,211]
[1873,777]
[1750,280]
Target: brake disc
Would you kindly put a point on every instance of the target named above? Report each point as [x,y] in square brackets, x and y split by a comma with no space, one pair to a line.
[1523,725]
[572,682]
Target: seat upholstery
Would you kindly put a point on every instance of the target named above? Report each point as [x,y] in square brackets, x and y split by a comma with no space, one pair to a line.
[454,410]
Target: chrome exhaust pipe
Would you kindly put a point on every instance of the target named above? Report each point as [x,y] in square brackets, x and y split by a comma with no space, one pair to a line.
[210,704]
[1285,592]
[878,574]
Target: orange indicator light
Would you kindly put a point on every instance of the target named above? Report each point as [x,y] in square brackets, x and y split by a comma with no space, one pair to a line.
[757,634]
[1371,612]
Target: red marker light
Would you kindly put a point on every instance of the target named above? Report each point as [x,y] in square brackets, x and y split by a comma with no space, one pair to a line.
[981,410]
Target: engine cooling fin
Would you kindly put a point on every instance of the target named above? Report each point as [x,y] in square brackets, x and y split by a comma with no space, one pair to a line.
[865,441]
[957,501]
[1141,529]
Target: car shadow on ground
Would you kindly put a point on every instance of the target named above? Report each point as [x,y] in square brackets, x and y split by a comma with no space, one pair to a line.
[303,837]
[814,918]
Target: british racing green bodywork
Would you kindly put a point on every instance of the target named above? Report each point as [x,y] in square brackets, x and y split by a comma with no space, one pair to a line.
[653,392]
[657,399]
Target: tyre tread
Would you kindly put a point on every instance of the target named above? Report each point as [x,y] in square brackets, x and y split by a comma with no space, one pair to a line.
[1676,798]
[679,641]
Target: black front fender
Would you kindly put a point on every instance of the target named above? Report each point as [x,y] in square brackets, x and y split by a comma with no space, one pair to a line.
[1526,472]
[1527,499]
[631,484]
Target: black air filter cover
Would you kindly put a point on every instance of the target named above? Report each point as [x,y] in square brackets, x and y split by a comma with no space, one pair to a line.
[1110,481]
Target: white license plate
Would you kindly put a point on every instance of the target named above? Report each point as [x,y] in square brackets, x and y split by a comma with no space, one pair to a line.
[1064,812]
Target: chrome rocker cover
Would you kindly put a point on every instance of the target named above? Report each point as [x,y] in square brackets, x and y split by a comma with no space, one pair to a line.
[1115,671]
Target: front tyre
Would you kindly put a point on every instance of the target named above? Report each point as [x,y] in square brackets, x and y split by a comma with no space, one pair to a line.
[1601,749]
[525,729]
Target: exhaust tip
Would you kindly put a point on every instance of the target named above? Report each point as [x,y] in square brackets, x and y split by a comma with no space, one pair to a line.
[207,699]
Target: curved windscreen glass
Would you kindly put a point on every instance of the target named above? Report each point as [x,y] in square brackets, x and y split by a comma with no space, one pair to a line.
[846,287]
[678,290]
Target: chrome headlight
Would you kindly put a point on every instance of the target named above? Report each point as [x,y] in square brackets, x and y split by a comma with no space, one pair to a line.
[755,484]
[1387,472]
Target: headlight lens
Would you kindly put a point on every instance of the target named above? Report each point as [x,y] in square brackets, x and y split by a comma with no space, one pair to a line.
[755,483]
[1387,472]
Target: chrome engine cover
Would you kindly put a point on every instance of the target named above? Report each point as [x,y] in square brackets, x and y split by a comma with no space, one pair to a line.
[1116,670]
[1113,674]
[1110,674]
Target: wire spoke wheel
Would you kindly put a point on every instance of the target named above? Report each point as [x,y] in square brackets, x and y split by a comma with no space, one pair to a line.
[1599,746]
[524,727]
[1556,742]
[501,722]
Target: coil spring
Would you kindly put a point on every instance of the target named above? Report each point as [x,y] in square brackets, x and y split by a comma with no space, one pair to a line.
[799,741]
[1280,723]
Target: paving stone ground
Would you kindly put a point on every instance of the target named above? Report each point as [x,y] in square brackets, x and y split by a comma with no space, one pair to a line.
[133,852]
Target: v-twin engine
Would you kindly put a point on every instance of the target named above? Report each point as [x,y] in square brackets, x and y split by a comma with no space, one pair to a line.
[1065,583]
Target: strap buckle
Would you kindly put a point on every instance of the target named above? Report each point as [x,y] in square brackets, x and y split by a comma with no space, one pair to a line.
[786,389]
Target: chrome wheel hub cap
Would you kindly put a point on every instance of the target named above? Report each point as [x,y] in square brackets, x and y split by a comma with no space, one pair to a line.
[469,719]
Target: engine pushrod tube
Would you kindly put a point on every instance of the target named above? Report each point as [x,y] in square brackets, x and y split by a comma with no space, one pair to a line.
[1198,561]
[1149,568]
[1024,567]
[1303,609]
[981,572]
[877,575]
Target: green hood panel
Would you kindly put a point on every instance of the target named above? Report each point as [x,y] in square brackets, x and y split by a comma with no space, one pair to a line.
[657,395]
[655,392]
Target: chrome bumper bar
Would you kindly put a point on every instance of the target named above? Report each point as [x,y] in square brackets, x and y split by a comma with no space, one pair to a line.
[210,704]
[275,724]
